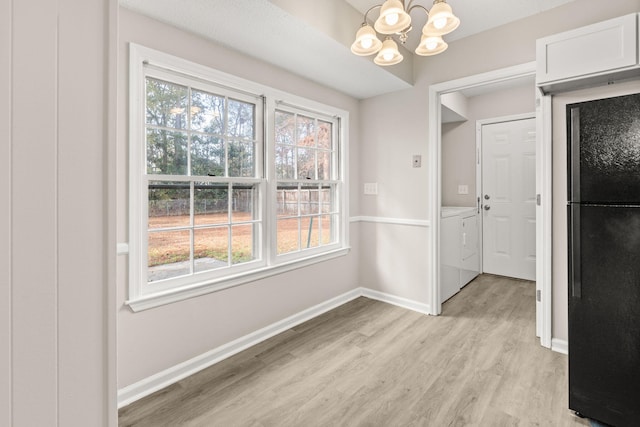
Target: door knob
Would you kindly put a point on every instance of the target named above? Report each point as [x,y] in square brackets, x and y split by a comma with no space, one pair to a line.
[486,197]
[487,207]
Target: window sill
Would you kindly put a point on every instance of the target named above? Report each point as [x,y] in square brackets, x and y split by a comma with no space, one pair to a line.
[146,302]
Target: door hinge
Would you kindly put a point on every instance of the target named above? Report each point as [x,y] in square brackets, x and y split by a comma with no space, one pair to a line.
[538,199]
[539,295]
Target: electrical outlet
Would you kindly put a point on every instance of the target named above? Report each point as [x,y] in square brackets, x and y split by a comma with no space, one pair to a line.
[417,160]
[463,189]
[371,188]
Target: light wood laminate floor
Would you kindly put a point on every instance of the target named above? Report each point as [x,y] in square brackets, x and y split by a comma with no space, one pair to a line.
[368,363]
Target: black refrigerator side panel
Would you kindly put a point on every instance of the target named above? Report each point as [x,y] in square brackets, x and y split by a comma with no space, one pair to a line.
[604,315]
[604,144]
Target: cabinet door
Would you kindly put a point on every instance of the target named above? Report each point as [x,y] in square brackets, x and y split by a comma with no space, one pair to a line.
[595,49]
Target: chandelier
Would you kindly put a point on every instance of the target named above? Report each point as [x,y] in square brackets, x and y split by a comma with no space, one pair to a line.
[394,19]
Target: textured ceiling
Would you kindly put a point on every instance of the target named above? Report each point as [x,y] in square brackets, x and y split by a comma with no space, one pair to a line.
[304,36]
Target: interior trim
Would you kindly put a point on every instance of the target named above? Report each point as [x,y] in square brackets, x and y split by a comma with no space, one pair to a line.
[149,385]
[434,146]
[560,346]
[395,300]
[397,221]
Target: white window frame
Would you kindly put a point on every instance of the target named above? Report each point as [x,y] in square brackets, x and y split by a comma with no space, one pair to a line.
[333,180]
[142,295]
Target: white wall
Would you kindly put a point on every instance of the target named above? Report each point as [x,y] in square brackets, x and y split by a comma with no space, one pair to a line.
[157,339]
[390,142]
[54,215]
[5,213]
[459,139]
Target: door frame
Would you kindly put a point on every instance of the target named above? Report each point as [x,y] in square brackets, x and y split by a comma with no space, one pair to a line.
[543,187]
[479,165]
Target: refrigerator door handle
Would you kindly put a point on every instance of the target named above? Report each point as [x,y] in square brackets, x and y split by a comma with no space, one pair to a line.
[576,270]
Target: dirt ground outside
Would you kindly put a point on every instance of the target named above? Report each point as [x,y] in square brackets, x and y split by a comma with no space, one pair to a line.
[167,247]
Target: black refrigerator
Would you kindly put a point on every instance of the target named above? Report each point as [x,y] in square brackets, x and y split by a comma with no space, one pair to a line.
[604,259]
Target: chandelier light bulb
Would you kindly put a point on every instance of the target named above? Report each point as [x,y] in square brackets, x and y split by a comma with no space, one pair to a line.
[431,43]
[440,23]
[366,43]
[389,54]
[392,18]
[441,19]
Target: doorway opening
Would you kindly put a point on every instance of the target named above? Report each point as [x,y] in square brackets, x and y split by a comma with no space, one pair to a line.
[491,81]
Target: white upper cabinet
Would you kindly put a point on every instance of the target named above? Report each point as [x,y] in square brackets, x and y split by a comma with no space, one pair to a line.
[589,55]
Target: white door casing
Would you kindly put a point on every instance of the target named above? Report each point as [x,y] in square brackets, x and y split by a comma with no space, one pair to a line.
[543,279]
[508,197]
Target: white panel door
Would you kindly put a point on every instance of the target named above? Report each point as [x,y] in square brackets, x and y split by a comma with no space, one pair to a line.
[509,198]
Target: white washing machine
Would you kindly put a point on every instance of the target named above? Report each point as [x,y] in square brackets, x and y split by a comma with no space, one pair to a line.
[459,257]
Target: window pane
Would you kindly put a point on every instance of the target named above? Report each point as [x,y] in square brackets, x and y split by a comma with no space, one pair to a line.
[306,132]
[241,119]
[166,104]
[207,112]
[244,206]
[207,156]
[285,128]
[285,162]
[166,152]
[309,200]
[329,222]
[210,248]
[242,243]
[211,204]
[241,159]
[324,165]
[287,200]
[288,235]
[169,254]
[327,199]
[310,231]
[168,204]
[306,163]
[325,135]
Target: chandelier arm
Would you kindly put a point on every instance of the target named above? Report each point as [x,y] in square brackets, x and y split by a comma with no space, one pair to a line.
[367,12]
[417,5]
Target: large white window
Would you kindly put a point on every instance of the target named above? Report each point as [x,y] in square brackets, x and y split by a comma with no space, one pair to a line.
[230,181]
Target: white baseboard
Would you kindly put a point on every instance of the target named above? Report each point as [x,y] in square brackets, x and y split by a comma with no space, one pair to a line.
[145,387]
[395,300]
[560,346]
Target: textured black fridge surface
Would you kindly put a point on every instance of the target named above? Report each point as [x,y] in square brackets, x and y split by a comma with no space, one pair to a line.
[610,150]
[604,259]
[604,331]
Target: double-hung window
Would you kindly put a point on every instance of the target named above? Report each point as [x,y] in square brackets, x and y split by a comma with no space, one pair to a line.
[229,180]
[307,180]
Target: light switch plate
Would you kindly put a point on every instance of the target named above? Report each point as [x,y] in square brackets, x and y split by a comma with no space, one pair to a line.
[463,189]
[417,161]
